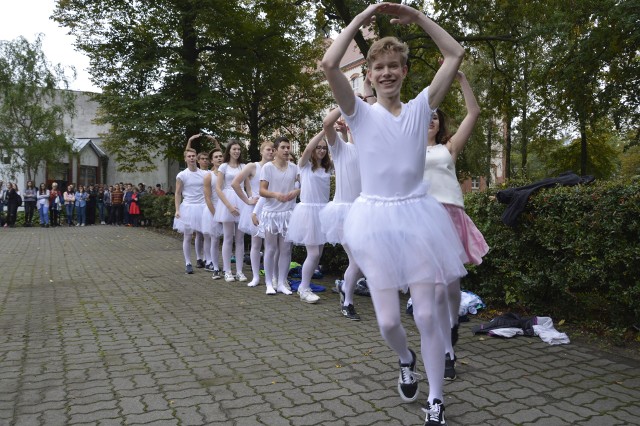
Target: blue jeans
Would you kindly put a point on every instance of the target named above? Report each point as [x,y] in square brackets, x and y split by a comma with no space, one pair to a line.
[69,209]
[43,211]
[101,211]
[81,213]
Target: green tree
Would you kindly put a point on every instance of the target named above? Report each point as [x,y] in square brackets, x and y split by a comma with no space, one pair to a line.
[174,68]
[32,107]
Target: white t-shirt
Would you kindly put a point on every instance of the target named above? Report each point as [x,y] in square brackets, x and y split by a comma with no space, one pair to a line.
[254,183]
[440,173]
[314,185]
[192,186]
[229,174]
[345,162]
[391,150]
[279,181]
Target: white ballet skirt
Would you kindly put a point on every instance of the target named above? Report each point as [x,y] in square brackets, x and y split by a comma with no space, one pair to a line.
[332,218]
[209,225]
[190,219]
[222,212]
[412,236]
[275,215]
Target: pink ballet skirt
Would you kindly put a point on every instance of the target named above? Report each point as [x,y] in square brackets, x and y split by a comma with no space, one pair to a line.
[304,225]
[332,218]
[190,219]
[472,239]
[246,223]
[405,240]
[208,225]
[222,212]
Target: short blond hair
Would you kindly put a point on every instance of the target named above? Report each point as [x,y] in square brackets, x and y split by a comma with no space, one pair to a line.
[385,46]
[190,150]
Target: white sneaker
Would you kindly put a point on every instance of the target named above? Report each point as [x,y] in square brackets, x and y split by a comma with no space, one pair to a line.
[270,290]
[308,296]
[284,288]
[228,277]
[253,283]
[241,277]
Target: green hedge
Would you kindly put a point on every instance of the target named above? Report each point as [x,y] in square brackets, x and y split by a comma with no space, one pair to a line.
[575,253]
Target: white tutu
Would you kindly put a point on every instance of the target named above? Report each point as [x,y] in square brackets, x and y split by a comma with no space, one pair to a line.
[332,218]
[222,212]
[404,240]
[246,223]
[190,219]
[275,222]
[304,225]
[208,225]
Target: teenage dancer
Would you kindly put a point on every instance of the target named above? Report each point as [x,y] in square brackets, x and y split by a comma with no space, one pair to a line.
[251,173]
[394,220]
[314,167]
[189,203]
[440,174]
[211,229]
[228,211]
[278,186]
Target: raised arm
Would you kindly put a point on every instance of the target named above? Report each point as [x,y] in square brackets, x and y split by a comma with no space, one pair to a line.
[459,139]
[214,140]
[308,151]
[328,125]
[241,179]
[338,82]
[191,139]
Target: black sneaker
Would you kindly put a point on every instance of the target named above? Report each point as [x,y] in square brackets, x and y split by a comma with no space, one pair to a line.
[200,263]
[435,413]
[349,311]
[408,380]
[449,367]
[188,269]
[216,274]
[209,267]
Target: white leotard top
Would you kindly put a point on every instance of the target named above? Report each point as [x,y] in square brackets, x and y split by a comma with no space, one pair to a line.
[440,173]
[229,174]
[192,186]
[314,185]
[279,181]
[345,162]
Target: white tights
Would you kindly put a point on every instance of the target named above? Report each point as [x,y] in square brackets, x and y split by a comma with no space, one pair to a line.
[199,244]
[230,229]
[430,311]
[454,297]
[277,256]
[314,253]
[351,276]
[256,246]
[211,249]
[186,246]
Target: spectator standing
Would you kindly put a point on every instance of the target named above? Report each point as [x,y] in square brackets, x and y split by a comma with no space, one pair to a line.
[55,204]
[29,198]
[117,197]
[13,200]
[81,205]
[92,199]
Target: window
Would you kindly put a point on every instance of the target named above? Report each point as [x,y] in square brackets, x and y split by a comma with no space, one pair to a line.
[6,159]
[475,183]
[88,175]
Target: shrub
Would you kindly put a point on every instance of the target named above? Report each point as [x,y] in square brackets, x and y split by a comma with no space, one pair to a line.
[574,254]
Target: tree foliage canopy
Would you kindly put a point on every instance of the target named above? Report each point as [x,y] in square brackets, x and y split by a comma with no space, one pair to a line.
[32,107]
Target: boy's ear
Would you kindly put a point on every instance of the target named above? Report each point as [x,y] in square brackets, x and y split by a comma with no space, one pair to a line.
[405,70]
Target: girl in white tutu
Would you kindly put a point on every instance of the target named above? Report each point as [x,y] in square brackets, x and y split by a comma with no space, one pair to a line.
[189,203]
[252,173]
[314,167]
[228,211]
[278,187]
[400,237]
[440,174]
[211,229]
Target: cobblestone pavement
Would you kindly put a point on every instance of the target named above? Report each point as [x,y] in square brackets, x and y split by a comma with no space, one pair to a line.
[99,325]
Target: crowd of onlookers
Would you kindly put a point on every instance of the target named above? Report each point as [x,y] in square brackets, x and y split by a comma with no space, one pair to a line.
[75,205]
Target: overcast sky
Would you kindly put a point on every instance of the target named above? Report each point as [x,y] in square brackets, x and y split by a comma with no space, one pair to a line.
[27,18]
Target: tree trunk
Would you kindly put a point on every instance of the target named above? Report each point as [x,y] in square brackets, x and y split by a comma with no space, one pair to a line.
[189,78]
[583,147]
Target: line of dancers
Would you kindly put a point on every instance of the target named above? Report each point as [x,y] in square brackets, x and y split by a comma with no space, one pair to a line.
[401,220]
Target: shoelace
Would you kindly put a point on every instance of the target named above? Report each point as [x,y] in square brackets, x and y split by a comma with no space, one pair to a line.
[409,376]
[433,412]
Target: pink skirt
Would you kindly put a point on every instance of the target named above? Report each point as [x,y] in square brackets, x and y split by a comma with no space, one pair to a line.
[470,236]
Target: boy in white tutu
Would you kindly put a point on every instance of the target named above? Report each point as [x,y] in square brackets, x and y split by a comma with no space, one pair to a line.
[189,203]
[278,187]
[211,229]
[400,237]
[440,174]
[203,163]
[251,173]
[314,168]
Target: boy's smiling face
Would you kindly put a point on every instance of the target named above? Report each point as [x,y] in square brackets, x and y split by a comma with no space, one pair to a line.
[387,74]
